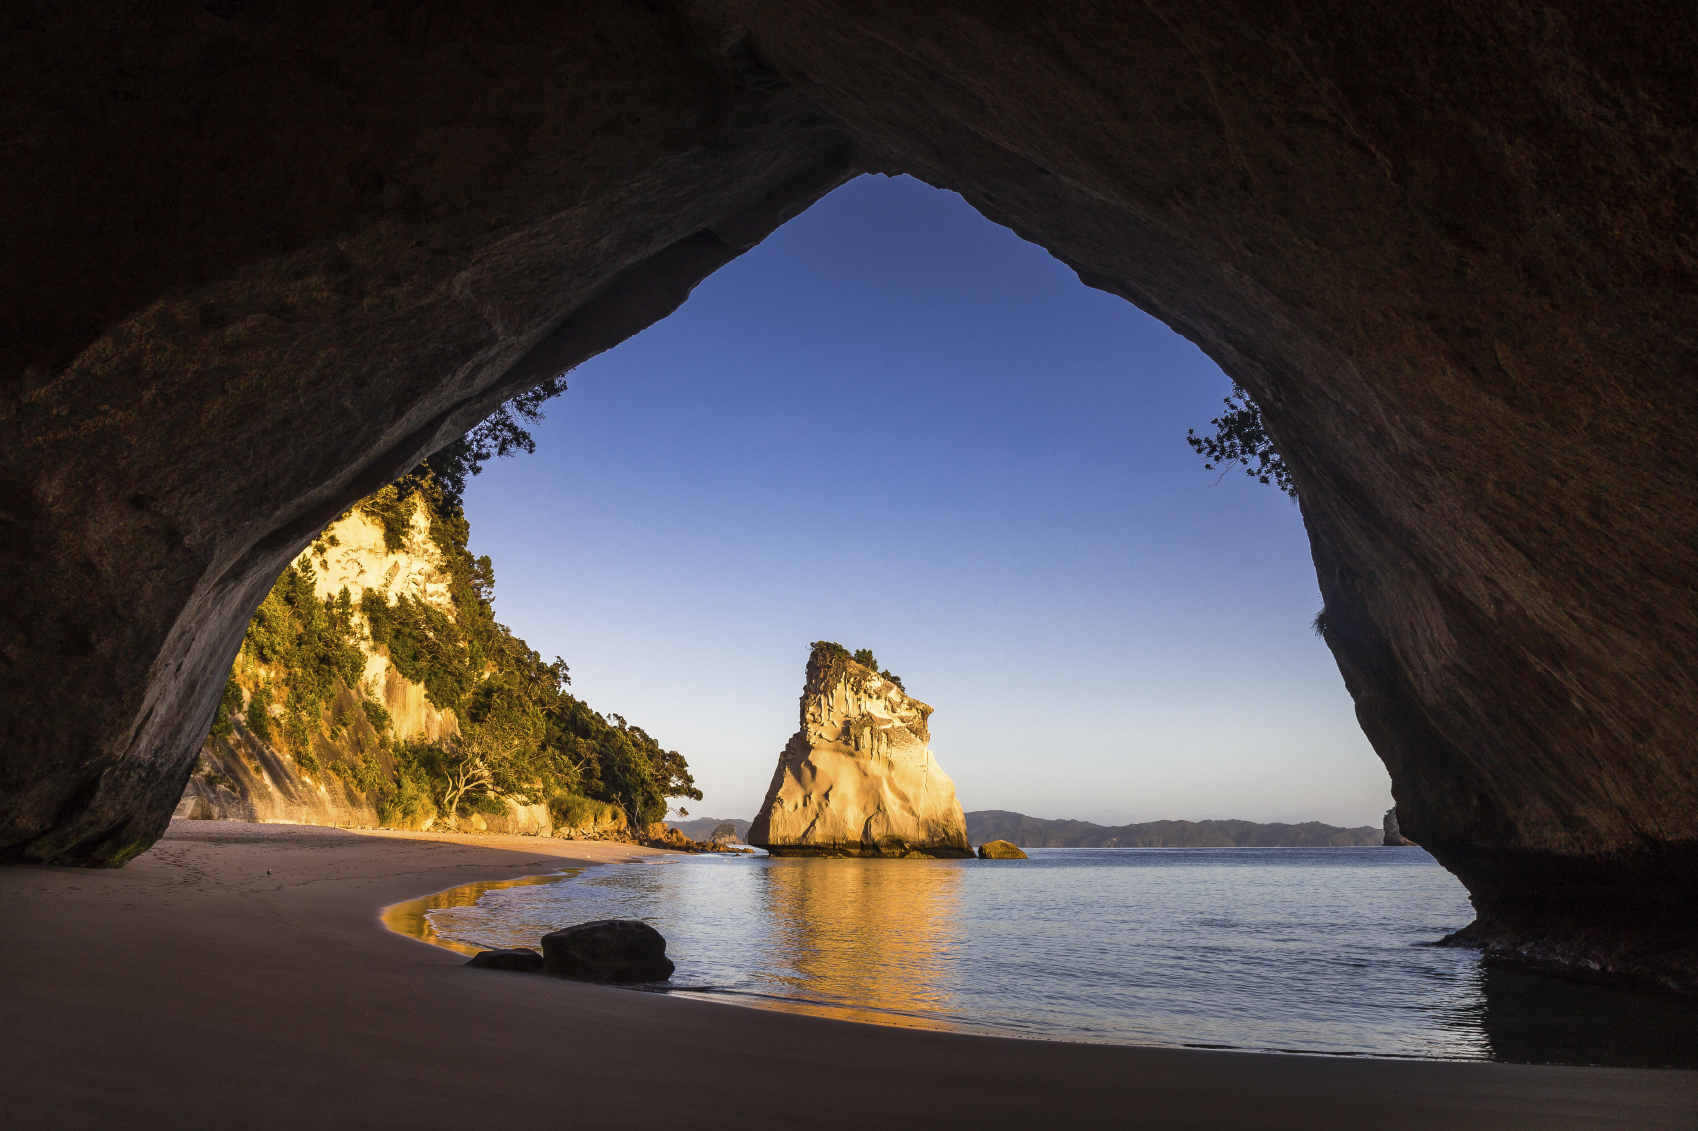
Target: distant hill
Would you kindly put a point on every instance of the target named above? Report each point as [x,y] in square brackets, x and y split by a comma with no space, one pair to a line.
[1034,832]
[702,827]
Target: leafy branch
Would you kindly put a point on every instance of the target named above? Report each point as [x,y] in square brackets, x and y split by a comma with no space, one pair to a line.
[1240,437]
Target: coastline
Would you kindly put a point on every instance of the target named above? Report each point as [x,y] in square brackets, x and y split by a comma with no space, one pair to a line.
[191,987]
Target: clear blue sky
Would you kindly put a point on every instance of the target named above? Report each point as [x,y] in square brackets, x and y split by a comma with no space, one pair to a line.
[900,427]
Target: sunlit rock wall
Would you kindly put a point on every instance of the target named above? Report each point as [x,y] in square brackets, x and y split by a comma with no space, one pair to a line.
[858,778]
[240,777]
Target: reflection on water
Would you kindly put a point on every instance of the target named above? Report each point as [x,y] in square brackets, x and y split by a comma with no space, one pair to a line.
[880,940]
[1313,950]
[412,918]
[1532,1018]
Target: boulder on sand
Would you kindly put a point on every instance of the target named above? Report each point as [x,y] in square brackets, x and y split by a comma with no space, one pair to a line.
[522,959]
[1000,850]
[607,950]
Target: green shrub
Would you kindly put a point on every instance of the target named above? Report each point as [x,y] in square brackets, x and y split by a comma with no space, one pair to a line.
[259,713]
[573,810]
[378,715]
[392,508]
[369,777]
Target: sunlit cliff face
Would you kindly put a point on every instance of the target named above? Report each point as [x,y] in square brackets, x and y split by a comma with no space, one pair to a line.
[857,778]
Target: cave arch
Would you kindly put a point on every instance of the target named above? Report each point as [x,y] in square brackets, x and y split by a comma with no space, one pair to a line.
[263,260]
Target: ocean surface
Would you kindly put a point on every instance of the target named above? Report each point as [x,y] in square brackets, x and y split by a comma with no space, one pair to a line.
[1288,949]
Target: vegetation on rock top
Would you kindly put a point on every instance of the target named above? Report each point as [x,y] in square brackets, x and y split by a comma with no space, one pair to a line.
[830,652]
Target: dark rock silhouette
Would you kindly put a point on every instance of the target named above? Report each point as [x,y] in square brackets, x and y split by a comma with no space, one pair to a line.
[520,959]
[1393,836]
[1449,258]
[607,950]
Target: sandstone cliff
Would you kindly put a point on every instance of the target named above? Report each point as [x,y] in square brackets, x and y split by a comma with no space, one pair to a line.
[326,776]
[280,756]
[858,779]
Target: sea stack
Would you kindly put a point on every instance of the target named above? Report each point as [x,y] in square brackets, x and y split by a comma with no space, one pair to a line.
[1394,837]
[857,779]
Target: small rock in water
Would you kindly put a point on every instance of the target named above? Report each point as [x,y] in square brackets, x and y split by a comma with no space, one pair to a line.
[522,959]
[1000,850]
[608,950]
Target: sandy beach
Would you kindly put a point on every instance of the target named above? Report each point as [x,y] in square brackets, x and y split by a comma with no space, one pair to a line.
[193,989]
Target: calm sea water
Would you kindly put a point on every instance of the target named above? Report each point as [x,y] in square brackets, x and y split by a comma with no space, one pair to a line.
[1299,950]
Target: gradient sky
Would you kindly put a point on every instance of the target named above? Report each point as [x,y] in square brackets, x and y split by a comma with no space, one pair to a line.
[900,427]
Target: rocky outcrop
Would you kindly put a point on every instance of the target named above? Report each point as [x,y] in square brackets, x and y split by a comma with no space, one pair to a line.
[858,778]
[1446,248]
[1000,850]
[583,818]
[1393,836]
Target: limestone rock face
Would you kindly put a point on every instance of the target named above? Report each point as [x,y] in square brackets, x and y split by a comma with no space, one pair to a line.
[1000,850]
[858,779]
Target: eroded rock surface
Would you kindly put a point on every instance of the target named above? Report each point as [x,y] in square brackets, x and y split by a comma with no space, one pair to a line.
[858,778]
[260,259]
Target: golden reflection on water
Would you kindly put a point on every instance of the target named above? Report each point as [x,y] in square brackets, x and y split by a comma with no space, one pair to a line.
[412,919]
[865,940]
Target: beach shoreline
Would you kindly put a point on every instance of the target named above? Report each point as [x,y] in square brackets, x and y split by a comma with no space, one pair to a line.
[240,975]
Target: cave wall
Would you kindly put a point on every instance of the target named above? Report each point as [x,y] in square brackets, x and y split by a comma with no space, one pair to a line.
[266,257]
[1449,249]
[269,255]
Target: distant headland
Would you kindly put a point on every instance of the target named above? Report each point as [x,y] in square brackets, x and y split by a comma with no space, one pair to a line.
[1034,832]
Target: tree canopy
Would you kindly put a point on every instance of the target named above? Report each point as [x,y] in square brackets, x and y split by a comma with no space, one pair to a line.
[499,436]
[1240,437]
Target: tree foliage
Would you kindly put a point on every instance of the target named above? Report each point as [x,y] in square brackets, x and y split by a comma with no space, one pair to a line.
[1241,438]
[500,436]
[862,656]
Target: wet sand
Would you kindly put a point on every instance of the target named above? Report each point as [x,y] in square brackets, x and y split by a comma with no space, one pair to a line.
[191,989]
